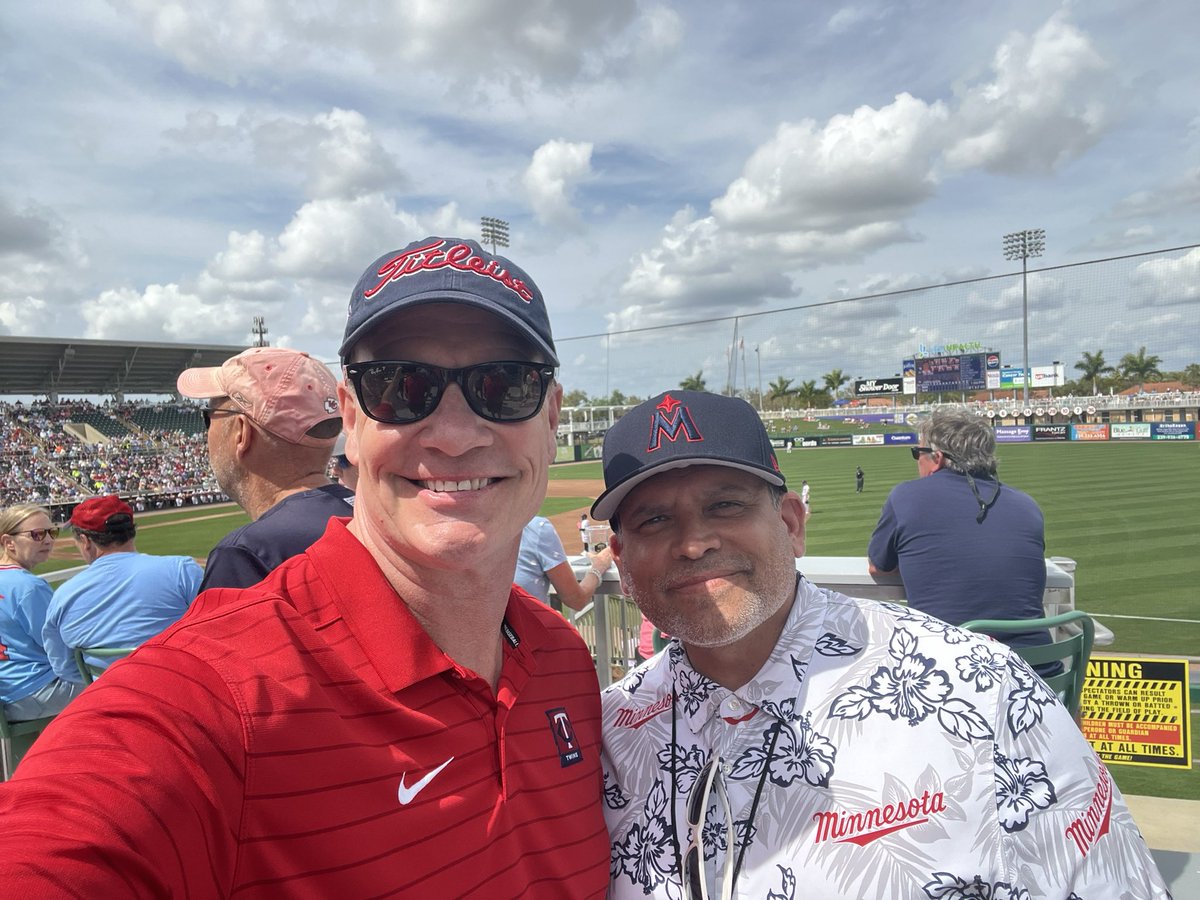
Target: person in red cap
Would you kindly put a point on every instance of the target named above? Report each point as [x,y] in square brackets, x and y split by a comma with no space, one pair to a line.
[385,714]
[272,417]
[122,598]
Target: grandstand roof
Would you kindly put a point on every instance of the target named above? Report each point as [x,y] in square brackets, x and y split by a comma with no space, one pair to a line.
[55,366]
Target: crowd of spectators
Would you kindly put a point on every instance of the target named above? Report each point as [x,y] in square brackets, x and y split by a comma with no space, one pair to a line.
[57,454]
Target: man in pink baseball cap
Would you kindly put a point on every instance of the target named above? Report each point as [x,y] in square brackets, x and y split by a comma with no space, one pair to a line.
[272,419]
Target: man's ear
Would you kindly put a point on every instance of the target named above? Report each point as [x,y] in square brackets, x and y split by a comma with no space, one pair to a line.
[553,412]
[246,437]
[791,510]
[350,416]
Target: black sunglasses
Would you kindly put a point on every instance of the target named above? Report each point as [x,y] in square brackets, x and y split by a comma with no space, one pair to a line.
[208,414]
[917,451]
[398,392]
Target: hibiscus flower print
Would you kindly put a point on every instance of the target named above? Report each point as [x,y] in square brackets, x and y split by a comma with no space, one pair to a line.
[1021,788]
[912,690]
[692,690]
[800,753]
[644,855]
[950,887]
[983,667]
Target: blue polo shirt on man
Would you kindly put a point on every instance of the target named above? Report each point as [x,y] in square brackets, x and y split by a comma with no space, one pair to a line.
[120,600]
[956,567]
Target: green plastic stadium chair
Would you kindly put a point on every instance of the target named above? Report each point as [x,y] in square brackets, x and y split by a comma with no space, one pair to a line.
[15,739]
[90,672]
[1074,649]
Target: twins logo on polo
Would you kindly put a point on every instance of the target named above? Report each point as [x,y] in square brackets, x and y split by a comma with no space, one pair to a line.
[671,419]
[436,255]
[569,751]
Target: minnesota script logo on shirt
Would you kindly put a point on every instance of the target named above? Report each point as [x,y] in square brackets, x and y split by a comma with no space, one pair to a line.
[636,718]
[864,827]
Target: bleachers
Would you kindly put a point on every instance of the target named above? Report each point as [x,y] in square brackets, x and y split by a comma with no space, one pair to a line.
[155,453]
[182,418]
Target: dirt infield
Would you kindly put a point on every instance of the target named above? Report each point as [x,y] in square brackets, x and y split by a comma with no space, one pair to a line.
[567,523]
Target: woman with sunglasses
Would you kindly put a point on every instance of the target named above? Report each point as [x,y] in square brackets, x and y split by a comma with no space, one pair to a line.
[28,688]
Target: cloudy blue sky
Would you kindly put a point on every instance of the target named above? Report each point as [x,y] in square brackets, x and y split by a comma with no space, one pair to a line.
[173,169]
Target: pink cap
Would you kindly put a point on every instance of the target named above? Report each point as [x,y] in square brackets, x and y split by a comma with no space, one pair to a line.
[285,392]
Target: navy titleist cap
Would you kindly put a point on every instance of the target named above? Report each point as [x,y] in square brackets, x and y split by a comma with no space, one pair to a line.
[683,428]
[448,270]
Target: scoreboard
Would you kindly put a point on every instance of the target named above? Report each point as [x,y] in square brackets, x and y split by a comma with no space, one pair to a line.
[961,372]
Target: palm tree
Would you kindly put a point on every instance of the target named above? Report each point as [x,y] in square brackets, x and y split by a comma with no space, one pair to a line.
[834,381]
[1093,365]
[694,382]
[780,389]
[1191,375]
[809,395]
[1138,366]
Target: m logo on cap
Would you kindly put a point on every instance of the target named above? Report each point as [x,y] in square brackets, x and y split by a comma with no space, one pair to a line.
[670,419]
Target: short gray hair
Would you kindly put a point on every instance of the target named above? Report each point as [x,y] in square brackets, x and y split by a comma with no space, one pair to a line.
[965,439]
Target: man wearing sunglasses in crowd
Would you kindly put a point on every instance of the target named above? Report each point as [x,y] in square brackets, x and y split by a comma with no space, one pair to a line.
[967,547]
[792,742]
[385,714]
[272,420]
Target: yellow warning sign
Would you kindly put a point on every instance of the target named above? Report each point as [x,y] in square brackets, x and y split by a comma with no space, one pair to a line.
[1136,712]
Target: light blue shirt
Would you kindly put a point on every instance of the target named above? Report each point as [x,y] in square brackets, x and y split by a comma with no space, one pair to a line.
[120,600]
[24,668]
[541,550]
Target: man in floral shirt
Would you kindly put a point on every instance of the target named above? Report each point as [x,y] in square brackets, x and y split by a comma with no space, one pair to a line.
[794,742]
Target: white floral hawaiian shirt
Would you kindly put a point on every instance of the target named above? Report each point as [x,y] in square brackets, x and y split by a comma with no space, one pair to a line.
[898,757]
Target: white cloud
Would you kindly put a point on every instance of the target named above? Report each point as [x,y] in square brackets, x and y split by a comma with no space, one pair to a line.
[556,168]
[863,168]
[1167,281]
[1050,99]
[508,41]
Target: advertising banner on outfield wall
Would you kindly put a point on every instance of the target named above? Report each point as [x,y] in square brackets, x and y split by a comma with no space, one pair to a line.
[878,387]
[1173,431]
[1089,432]
[835,440]
[1012,434]
[1129,431]
[900,437]
[868,440]
[1050,432]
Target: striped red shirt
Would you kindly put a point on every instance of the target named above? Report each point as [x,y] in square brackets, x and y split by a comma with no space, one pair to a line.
[306,738]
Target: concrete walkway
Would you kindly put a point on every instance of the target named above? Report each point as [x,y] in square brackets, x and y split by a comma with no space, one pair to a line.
[1172,830]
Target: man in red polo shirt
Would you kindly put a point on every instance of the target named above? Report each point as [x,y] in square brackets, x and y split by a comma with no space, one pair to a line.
[384,715]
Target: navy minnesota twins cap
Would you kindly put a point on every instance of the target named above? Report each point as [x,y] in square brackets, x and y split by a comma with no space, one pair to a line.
[448,270]
[683,428]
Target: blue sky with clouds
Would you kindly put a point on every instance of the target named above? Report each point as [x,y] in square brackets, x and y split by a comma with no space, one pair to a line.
[174,169]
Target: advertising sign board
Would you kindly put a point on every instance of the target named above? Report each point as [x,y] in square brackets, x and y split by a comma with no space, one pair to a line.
[1129,431]
[1050,432]
[1173,431]
[1013,434]
[1089,432]
[878,387]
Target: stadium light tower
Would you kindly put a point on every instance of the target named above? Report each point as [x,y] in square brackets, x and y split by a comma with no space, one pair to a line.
[493,231]
[1022,245]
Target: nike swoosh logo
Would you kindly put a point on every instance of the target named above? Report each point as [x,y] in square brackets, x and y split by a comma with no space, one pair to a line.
[407,795]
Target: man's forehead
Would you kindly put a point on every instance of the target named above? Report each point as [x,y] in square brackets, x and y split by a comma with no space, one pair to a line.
[458,324]
[707,479]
